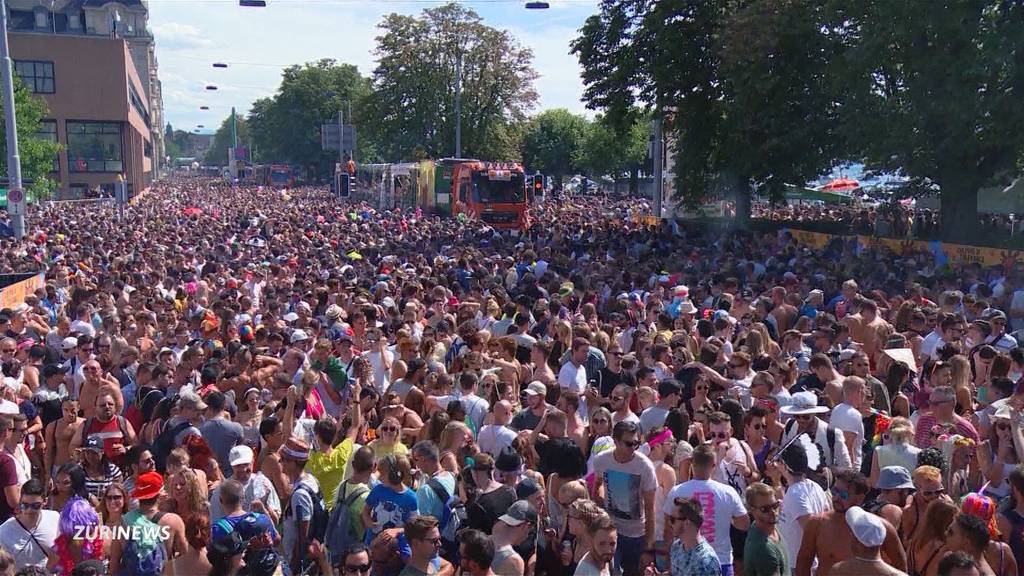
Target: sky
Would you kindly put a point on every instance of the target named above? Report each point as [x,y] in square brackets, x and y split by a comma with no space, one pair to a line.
[257,43]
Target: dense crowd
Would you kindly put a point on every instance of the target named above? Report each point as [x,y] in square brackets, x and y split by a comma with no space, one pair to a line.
[226,381]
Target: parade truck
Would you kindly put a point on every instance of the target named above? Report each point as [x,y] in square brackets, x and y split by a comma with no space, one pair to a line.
[496,193]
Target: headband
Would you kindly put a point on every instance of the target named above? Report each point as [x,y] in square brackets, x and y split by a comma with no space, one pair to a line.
[295,454]
[665,435]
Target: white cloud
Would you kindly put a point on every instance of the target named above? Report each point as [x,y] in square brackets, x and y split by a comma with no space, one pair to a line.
[176,36]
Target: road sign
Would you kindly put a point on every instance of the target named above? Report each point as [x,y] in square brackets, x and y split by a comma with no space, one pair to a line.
[329,137]
[16,202]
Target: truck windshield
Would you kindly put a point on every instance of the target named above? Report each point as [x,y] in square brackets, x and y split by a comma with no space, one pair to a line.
[488,191]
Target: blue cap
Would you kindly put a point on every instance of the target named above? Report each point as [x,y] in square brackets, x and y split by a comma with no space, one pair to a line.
[254,524]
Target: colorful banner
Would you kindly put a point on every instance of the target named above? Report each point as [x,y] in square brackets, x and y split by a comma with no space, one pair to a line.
[15,294]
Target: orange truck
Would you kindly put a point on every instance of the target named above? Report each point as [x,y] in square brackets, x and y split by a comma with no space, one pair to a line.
[495,193]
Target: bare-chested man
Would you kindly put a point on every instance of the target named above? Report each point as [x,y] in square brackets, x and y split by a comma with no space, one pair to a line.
[784,312]
[97,383]
[828,537]
[59,435]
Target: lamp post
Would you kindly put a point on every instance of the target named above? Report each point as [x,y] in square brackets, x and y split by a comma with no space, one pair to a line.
[15,195]
[458,104]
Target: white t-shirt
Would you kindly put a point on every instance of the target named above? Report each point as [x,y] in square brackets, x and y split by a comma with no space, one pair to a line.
[848,419]
[573,377]
[802,498]
[380,376]
[720,503]
[492,438]
[624,486]
[20,544]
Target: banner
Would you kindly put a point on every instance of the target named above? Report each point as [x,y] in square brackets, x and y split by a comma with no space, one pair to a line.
[15,294]
[943,252]
[813,239]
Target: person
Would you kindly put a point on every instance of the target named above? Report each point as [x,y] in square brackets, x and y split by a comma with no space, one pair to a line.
[476,553]
[100,472]
[219,432]
[510,531]
[356,489]
[691,555]
[764,552]
[925,548]
[8,472]
[424,540]
[601,551]
[847,418]
[230,494]
[429,499]
[496,436]
[869,532]
[391,503]
[59,435]
[225,555]
[928,486]
[941,404]
[494,497]
[305,499]
[355,561]
[625,481]
[804,410]
[194,560]
[78,538]
[147,518]
[29,536]
[897,449]
[803,498]
[327,463]
[959,564]
[669,396]
[969,534]
[258,494]
[721,500]
[895,487]
[999,555]
[828,537]
[1010,521]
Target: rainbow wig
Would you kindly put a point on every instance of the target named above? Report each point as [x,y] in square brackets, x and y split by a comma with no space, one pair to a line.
[982,507]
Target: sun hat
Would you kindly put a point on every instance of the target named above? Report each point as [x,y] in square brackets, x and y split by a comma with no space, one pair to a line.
[804,403]
[894,478]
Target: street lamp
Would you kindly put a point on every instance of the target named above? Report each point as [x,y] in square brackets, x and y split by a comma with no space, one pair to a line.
[15,196]
[219,65]
[252,3]
[537,5]
[199,126]
[204,107]
[211,87]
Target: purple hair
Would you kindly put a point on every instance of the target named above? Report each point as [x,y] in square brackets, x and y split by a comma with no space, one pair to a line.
[77,513]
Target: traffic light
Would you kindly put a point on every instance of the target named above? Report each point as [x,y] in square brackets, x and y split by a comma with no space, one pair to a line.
[344,185]
[538,183]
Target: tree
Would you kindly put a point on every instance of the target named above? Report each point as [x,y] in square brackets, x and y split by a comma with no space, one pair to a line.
[740,84]
[36,154]
[610,150]
[413,104]
[554,142]
[936,93]
[171,147]
[217,155]
[286,126]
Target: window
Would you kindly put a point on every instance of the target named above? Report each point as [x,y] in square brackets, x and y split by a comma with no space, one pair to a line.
[137,104]
[37,75]
[48,131]
[94,147]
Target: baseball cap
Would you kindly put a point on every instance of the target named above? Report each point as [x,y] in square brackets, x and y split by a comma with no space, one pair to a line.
[240,454]
[290,317]
[536,388]
[93,442]
[148,485]
[69,343]
[509,460]
[53,370]
[894,478]
[867,528]
[518,513]
[526,488]
[299,336]
[993,314]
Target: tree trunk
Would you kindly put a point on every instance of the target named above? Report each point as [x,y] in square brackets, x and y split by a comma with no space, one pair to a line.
[741,197]
[959,215]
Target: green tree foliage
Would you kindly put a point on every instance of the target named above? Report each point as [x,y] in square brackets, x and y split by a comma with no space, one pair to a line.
[936,91]
[35,153]
[286,126]
[741,84]
[610,150]
[412,109]
[217,155]
[554,143]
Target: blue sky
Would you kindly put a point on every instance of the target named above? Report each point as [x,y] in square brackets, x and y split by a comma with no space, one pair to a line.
[257,43]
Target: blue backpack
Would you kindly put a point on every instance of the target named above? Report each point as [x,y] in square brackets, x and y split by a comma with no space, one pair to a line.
[340,536]
[147,554]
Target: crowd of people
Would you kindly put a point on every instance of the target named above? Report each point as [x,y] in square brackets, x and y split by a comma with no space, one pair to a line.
[238,380]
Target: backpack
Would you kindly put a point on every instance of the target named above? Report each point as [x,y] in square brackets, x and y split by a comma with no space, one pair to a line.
[451,520]
[318,522]
[146,554]
[340,535]
[122,425]
[164,443]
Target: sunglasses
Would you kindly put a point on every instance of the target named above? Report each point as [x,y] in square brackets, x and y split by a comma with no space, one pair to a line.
[632,445]
[700,387]
[388,429]
[9,350]
[357,569]
[721,435]
[767,508]
[31,505]
[757,426]
[599,420]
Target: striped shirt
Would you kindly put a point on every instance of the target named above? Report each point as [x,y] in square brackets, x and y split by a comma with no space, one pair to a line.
[97,486]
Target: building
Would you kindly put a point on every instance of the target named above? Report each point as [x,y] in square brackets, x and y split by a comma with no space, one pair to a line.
[126,19]
[97,110]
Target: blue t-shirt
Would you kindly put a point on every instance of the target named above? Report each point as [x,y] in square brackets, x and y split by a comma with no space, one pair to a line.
[390,509]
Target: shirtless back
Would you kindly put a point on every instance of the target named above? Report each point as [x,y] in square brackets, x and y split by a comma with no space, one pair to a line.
[828,538]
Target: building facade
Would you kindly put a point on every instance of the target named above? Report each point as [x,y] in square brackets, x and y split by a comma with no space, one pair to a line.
[97,110]
[127,19]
